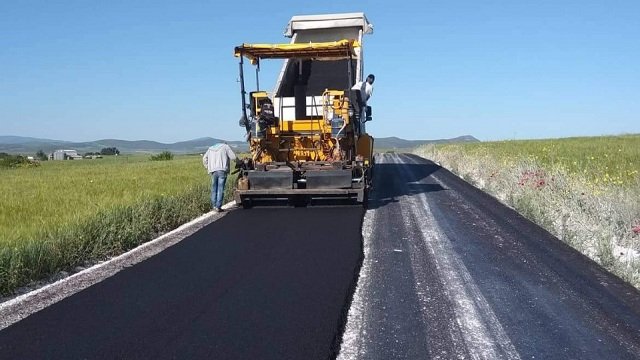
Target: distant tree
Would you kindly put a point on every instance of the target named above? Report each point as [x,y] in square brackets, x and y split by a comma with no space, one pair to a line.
[40,155]
[110,151]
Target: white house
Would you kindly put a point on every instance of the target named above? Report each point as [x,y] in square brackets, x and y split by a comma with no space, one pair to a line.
[65,155]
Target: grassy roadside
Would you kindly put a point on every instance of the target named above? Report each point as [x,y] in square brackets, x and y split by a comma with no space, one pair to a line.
[64,214]
[585,191]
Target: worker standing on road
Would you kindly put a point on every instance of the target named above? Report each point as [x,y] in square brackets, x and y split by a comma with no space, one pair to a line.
[216,160]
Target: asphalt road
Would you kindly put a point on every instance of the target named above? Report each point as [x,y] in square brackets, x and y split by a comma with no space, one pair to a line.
[450,273]
[269,283]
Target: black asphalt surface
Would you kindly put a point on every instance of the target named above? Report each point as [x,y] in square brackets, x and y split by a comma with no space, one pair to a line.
[264,283]
[449,272]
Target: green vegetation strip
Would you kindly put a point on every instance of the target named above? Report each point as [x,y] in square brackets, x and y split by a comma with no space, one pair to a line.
[63,214]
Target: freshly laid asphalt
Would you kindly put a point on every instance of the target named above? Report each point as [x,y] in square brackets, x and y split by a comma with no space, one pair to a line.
[264,283]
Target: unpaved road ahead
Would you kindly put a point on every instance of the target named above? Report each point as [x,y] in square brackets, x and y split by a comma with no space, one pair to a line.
[448,273]
[451,273]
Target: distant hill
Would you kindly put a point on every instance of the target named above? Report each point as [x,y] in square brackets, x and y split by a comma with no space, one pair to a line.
[24,145]
[29,145]
[397,143]
[8,139]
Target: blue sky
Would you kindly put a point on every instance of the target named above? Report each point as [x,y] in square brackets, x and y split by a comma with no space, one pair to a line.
[164,70]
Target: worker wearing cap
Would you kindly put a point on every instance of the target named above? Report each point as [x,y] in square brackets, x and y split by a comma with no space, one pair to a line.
[216,160]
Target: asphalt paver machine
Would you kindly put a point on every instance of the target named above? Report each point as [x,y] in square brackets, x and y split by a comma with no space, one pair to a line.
[307,137]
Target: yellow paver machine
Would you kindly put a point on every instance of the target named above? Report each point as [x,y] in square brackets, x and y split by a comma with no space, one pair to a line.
[307,138]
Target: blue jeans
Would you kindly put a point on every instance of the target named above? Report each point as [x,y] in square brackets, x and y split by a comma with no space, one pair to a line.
[218,179]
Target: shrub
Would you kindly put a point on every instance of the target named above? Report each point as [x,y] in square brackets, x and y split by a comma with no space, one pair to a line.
[15,161]
[165,155]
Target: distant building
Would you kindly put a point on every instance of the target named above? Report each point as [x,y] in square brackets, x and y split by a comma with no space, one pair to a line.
[65,155]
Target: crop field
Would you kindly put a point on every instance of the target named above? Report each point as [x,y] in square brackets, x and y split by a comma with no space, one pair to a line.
[63,214]
[585,191]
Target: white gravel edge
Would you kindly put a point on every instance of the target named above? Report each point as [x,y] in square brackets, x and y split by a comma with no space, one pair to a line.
[18,308]
[354,336]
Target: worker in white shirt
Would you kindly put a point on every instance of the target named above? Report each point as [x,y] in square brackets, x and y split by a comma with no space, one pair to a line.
[217,162]
[366,89]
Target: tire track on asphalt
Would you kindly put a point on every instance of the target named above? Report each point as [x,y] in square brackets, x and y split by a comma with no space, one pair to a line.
[481,332]
[454,322]
[385,298]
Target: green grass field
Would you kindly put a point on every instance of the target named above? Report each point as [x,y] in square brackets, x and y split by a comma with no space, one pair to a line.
[63,213]
[609,160]
[60,192]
